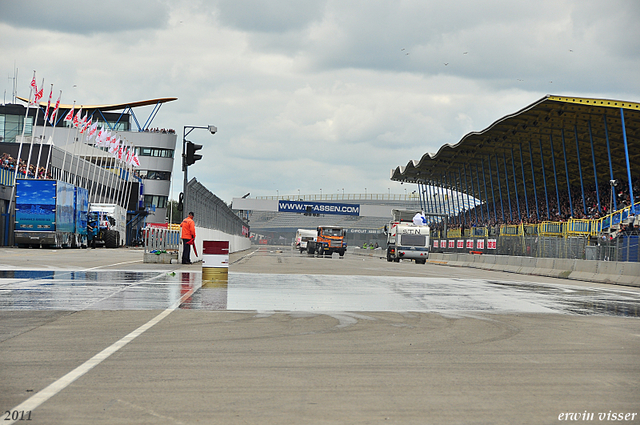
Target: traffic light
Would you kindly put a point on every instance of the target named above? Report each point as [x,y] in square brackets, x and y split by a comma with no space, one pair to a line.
[191,156]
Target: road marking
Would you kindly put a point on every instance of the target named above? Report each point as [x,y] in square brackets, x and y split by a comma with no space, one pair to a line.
[45,394]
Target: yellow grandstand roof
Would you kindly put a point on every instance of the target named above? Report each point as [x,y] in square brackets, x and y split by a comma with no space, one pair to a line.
[569,124]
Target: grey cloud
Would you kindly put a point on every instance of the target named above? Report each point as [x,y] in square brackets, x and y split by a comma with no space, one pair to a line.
[85,17]
[269,16]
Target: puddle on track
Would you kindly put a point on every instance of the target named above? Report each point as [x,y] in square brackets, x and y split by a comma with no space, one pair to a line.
[128,290]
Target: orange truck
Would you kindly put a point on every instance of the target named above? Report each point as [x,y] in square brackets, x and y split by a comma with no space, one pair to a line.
[329,239]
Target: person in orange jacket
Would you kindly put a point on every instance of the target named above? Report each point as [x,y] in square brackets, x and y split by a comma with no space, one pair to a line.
[188,235]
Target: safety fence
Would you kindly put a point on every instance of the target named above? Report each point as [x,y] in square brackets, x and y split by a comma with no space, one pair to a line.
[211,212]
[160,239]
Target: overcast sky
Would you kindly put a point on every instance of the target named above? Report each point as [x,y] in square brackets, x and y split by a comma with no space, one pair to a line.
[321,96]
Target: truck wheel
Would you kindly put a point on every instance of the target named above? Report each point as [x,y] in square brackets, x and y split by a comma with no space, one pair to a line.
[110,240]
[389,259]
[341,253]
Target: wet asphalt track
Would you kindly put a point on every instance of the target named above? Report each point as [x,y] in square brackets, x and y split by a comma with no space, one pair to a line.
[298,339]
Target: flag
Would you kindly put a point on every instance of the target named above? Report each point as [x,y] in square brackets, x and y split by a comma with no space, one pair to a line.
[85,125]
[54,114]
[46,114]
[76,119]
[135,161]
[100,136]
[36,100]
[33,84]
[92,130]
[69,116]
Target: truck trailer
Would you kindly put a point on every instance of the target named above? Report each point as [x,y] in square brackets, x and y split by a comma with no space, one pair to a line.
[303,236]
[407,238]
[47,213]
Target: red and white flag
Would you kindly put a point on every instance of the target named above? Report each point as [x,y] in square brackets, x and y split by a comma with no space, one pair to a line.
[54,114]
[38,96]
[69,116]
[76,119]
[134,161]
[46,114]
[85,124]
[92,130]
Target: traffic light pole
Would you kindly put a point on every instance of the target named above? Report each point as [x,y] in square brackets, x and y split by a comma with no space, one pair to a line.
[185,166]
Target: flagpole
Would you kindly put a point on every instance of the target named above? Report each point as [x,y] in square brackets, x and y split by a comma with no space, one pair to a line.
[129,181]
[44,128]
[72,111]
[100,189]
[90,135]
[24,128]
[54,114]
[130,162]
[35,123]
[76,142]
[84,137]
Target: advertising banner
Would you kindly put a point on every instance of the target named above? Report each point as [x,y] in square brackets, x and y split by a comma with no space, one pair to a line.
[318,208]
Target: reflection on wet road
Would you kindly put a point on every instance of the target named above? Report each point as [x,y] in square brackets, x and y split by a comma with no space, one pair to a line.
[127,290]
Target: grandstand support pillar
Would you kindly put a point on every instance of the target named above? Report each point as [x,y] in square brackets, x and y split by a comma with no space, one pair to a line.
[524,182]
[499,187]
[606,134]
[544,180]
[479,191]
[450,204]
[626,154]
[460,209]
[493,193]
[423,205]
[515,184]
[466,187]
[595,172]
[472,189]
[555,173]
[449,200]
[443,204]
[506,178]
[584,204]
[464,210]
[566,171]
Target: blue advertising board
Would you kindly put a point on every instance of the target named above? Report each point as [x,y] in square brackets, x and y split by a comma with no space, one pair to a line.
[318,208]
[35,205]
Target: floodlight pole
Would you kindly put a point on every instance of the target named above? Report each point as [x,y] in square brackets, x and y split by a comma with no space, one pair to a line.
[212,129]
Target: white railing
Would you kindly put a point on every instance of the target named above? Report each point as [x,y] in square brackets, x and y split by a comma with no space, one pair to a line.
[158,239]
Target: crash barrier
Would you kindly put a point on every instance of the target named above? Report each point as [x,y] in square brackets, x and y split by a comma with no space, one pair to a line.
[212,212]
[159,239]
[615,272]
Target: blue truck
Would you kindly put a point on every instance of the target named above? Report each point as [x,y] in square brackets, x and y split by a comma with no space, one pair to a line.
[50,213]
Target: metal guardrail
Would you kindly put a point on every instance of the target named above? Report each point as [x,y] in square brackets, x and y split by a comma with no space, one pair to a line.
[158,239]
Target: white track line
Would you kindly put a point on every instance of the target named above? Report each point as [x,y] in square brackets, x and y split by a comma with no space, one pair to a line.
[45,394]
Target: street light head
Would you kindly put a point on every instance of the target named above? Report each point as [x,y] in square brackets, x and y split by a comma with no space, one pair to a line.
[212,129]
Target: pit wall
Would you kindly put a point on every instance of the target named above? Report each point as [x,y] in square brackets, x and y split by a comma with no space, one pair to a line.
[611,272]
[236,243]
[621,273]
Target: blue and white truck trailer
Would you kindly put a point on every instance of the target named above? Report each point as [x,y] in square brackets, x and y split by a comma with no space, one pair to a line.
[50,213]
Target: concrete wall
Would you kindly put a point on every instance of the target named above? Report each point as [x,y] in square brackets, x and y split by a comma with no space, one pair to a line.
[236,243]
[622,273]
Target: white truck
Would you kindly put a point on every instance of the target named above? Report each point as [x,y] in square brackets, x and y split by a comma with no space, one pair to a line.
[407,237]
[302,237]
[113,223]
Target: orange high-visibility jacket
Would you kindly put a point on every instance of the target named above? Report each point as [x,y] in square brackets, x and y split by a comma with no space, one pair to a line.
[188,228]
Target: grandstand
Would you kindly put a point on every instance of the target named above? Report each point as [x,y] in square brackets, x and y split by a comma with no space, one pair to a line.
[554,179]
